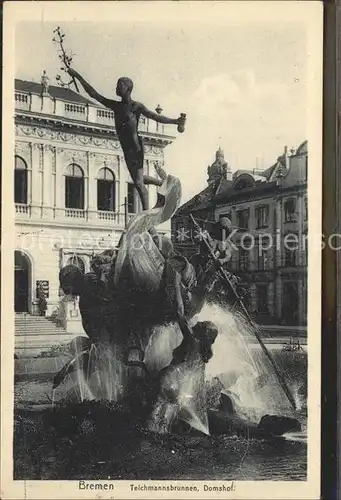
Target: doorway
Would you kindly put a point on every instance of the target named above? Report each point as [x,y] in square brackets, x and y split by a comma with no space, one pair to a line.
[21,282]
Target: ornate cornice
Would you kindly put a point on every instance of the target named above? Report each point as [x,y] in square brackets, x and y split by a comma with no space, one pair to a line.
[80,133]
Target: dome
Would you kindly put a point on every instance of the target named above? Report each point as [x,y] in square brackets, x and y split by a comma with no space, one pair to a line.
[219,154]
[244,180]
[219,167]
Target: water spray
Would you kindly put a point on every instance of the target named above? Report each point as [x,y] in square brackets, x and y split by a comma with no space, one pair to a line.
[248,317]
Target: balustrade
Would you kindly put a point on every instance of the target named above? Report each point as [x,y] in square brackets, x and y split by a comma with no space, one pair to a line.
[75,213]
[105,215]
[105,117]
[104,218]
[75,111]
[22,101]
[81,112]
[22,209]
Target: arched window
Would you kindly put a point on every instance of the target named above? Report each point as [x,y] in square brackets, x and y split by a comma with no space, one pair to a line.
[75,260]
[106,190]
[74,187]
[20,180]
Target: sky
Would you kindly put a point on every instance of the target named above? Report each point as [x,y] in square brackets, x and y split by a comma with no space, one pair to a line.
[243,87]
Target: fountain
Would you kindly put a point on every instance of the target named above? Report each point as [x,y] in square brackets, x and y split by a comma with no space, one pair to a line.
[136,335]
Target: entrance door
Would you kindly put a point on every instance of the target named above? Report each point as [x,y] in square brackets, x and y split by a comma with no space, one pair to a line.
[21,290]
[21,282]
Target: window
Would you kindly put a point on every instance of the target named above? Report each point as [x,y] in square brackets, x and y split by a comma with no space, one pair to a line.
[228,215]
[262,216]
[20,180]
[290,210]
[262,259]
[243,259]
[131,199]
[290,304]
[262,299]
[74,187]
[106,190]
[75,260]
[243,219]
[305,208]
[290,252]
[305,249]
[263,246]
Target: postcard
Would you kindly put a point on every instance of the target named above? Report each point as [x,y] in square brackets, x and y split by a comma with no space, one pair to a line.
[161,161]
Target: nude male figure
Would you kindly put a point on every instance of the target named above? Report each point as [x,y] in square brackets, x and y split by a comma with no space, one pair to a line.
[127,113]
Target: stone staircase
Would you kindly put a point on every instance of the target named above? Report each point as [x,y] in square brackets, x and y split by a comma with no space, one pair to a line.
[34,334]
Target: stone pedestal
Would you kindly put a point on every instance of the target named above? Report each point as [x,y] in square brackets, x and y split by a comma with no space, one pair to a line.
[70,316]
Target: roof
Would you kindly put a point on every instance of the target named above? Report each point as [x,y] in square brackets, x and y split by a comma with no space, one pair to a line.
[268,172]
[302,148]
[198,201]
[231,194]
[222,191]
[56,92]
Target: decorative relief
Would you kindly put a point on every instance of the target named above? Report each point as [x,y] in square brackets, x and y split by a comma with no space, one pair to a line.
[22,147]
[41,157]
[84,139]
[73,156]
[53,159]
[152,150]
[77,139]
[49,147]
[25,130]
[109,161]
[97,141]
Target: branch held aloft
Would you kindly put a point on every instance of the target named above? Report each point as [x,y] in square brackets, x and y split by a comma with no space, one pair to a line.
[65,58]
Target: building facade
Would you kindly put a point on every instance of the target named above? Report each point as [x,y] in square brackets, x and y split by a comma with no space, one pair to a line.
[72,191]
[269,214]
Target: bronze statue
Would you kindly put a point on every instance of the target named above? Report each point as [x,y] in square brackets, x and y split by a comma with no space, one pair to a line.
[127,113]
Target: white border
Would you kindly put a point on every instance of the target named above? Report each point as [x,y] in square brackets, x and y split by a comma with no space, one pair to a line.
[237,13]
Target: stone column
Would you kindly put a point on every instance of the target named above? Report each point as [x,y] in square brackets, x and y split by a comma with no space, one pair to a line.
[29,178]
[47,159]
[86,195]
[271,303]
[152,190]
[91,186]
[60,185]
[123,187]
[300,222]
[36,180]
[54,183]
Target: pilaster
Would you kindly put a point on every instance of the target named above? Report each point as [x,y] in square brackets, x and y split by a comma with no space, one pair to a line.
[279,293]
[60,181]
[37,168]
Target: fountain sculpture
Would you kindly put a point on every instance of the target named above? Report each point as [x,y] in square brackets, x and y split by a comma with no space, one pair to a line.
[146,349]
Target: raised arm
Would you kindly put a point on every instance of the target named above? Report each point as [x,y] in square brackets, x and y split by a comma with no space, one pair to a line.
[90,90]
[158,118]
